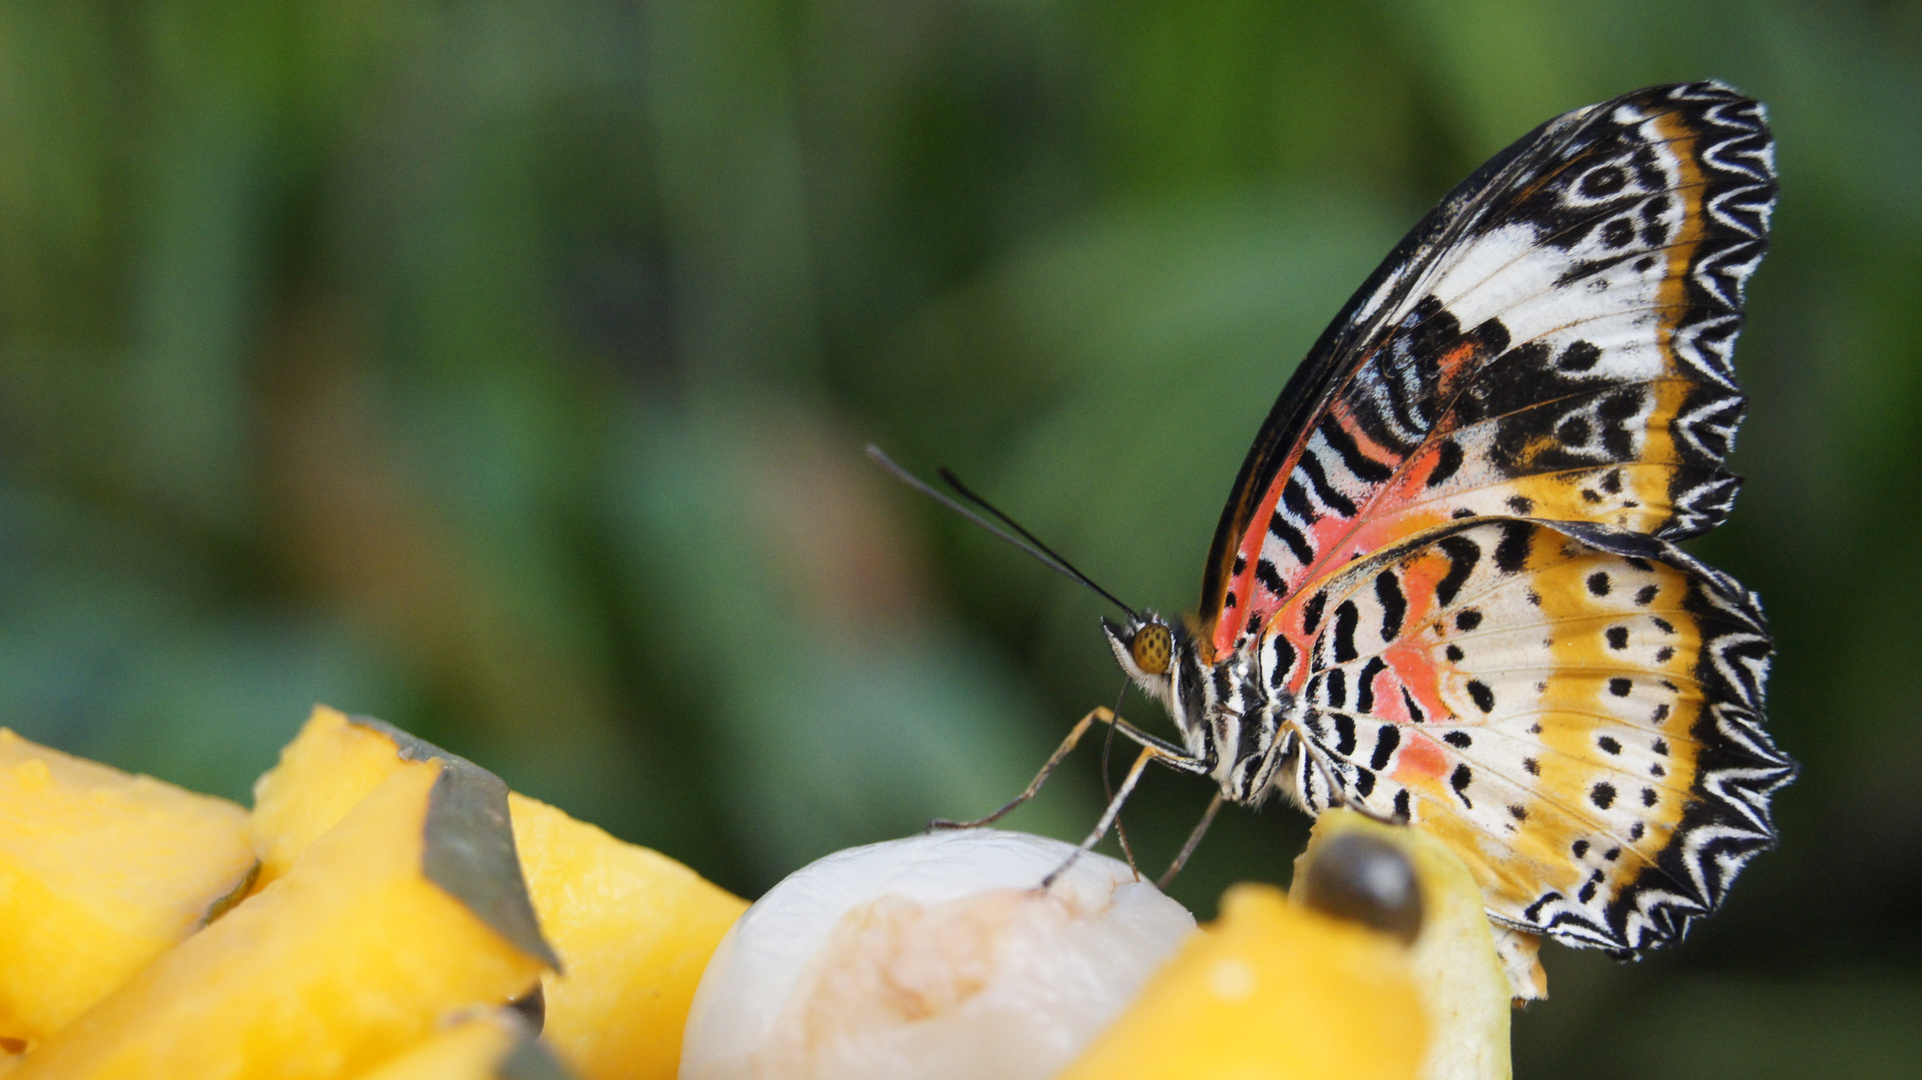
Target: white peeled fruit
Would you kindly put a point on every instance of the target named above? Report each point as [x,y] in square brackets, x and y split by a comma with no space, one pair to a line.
[931,958]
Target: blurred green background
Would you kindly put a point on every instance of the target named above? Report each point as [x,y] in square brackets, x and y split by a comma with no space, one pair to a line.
[502,370]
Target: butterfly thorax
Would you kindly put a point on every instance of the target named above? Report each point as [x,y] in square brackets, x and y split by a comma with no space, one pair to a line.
[1229,718]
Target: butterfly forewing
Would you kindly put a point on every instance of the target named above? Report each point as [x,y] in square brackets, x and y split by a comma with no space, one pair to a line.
[1575,709]
[1552,342]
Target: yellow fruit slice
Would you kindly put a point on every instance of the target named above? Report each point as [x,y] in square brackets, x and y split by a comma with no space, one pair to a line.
[1464,988]
[636,929]
[100,872]
[494,1045]
[412,906]
[329,767]
[1270,990]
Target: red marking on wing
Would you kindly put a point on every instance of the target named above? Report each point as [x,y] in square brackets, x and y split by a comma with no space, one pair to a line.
[1420,758]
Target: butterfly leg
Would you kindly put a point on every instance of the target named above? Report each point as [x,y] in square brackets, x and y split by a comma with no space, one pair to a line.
[1193,841]
[1151,752]
[1067,747]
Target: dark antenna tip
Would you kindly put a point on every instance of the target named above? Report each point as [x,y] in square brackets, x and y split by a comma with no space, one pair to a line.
[1041,552]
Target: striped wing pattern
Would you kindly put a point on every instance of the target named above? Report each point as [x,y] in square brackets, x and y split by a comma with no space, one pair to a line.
[1574,708]
[1553,342]
[1446,568]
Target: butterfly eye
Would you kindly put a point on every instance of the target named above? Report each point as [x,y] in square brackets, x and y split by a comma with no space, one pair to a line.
[1153,646]
[1367,880]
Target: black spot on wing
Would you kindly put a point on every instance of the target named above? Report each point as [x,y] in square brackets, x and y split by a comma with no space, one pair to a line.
[1387,738]
[1415,712]
[1344,733]
[1578,356]
[1365,684]
[1492,336]
[1511,554]
[1484,697]
[1462,555]
[1347,617]
[1393,604]
[1311,611]
[1285,657]
[1270,580]
[1448,460]
[1459,781]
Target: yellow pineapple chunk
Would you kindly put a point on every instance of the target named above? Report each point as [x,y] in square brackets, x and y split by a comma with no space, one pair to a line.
[329,767]
[409,908]
[493,1045]
[636,929]
[1270,990]
[100,872]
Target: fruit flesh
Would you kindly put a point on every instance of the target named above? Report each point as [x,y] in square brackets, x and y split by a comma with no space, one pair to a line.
[348,959]
[329,767]
[1270,990]
[100,872]
[492,1045]
[636,929]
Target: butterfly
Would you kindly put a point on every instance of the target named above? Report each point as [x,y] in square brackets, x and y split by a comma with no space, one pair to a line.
[1445,589]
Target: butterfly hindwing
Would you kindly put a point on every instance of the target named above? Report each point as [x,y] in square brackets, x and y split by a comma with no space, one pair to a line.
[1552,342]
[1574,708]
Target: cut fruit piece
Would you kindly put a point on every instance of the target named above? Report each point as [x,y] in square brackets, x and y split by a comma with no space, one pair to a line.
[411,907]
[930,956]
[1464,989]
[329,767]
[493,1045]
[636,929]
[1271,989]
[100,872]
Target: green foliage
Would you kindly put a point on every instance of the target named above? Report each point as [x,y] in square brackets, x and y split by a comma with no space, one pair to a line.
[502,370]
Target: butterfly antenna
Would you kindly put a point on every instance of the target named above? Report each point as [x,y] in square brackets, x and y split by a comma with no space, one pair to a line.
[1041,552]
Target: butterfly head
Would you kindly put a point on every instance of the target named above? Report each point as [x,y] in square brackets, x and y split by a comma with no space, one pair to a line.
[1145,647]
